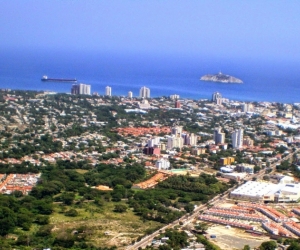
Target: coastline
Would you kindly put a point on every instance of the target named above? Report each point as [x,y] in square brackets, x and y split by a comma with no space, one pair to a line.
[164,77]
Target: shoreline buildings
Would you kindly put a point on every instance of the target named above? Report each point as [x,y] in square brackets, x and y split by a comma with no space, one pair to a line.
[144,92]
[81,89]
[217,98]
[108,91]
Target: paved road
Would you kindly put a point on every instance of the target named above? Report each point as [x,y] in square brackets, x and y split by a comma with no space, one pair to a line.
[186,219]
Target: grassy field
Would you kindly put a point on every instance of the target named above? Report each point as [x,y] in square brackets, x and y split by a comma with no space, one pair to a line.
[105,227]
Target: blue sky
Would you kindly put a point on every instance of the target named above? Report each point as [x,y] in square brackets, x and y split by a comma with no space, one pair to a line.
[245,29]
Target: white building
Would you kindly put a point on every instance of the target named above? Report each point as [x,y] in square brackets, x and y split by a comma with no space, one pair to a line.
[219,137]
[144,104]
[108,91]
[81,89]
[177,130]
[190,139]
[247,107]
[174,97]
[144,92]
[162,164]
[217,98]
[262,191]
[153,141]
[174,142]
[237,138]
[130,95]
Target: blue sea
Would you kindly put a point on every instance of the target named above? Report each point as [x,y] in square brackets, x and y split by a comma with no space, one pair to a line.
[264,80]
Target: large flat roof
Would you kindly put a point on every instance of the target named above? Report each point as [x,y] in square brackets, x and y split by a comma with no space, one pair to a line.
[255,189]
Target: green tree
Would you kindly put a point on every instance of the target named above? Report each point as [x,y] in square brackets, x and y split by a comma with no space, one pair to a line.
[8,220]
[189,208]
[42,219]
[256,169]
[64,239]
[268,245]
[120,208]
[294,246]
[67,198]
[71,213]
[201,226]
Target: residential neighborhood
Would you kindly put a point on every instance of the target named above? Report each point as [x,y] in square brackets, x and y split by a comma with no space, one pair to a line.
[250,149]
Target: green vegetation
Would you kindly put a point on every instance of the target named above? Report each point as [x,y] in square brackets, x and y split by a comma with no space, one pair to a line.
[175,193]
[208,245]
[268,245]
[62,194]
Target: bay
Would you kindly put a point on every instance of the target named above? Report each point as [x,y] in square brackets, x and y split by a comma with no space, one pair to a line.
[264,80]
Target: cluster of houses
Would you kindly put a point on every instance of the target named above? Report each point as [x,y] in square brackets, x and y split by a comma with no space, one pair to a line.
[269,218]
[18,182]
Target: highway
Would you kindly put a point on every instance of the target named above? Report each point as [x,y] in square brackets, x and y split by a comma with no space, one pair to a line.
[188,218]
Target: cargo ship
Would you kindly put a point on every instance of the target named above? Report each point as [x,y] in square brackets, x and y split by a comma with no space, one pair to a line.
[47,79]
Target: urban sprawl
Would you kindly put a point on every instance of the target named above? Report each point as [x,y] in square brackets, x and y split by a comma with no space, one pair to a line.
[243,156]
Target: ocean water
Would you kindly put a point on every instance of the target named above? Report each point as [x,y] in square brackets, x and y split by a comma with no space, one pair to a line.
[264,80]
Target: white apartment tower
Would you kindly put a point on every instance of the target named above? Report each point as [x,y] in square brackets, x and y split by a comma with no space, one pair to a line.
[174,97]
[153,141]
[130,95]
[216,97]
[219,137]
[175,142]
[81,89]
[162,164]
[190,139]
[247,107]
[176,130]
[237,138]
[108,91]
[144,92]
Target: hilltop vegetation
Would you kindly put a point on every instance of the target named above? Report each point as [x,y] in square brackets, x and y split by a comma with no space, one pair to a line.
[63,196]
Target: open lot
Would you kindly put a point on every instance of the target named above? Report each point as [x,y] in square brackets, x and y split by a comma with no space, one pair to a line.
[103,226]
[233,238]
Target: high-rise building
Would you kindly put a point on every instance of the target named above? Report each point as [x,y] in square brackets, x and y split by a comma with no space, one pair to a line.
[237,138]
[217,98]
[219,137]
[177,104]
[175,142]
[174,97]
[177,130]
[153,141]
[190,139]
[219,101]
[162,164]
[247,107]
[144,92]
[81,89]
[108,91]
[130,94]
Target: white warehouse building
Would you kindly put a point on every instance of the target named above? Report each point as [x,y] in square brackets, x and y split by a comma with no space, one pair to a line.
[267,192]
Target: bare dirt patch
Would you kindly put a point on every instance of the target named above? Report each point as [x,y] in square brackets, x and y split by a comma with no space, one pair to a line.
[234,238]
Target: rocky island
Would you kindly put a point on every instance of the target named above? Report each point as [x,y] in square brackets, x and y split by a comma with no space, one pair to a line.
[220,77]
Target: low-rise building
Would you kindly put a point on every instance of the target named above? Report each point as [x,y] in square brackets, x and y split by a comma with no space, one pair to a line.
[267,192]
